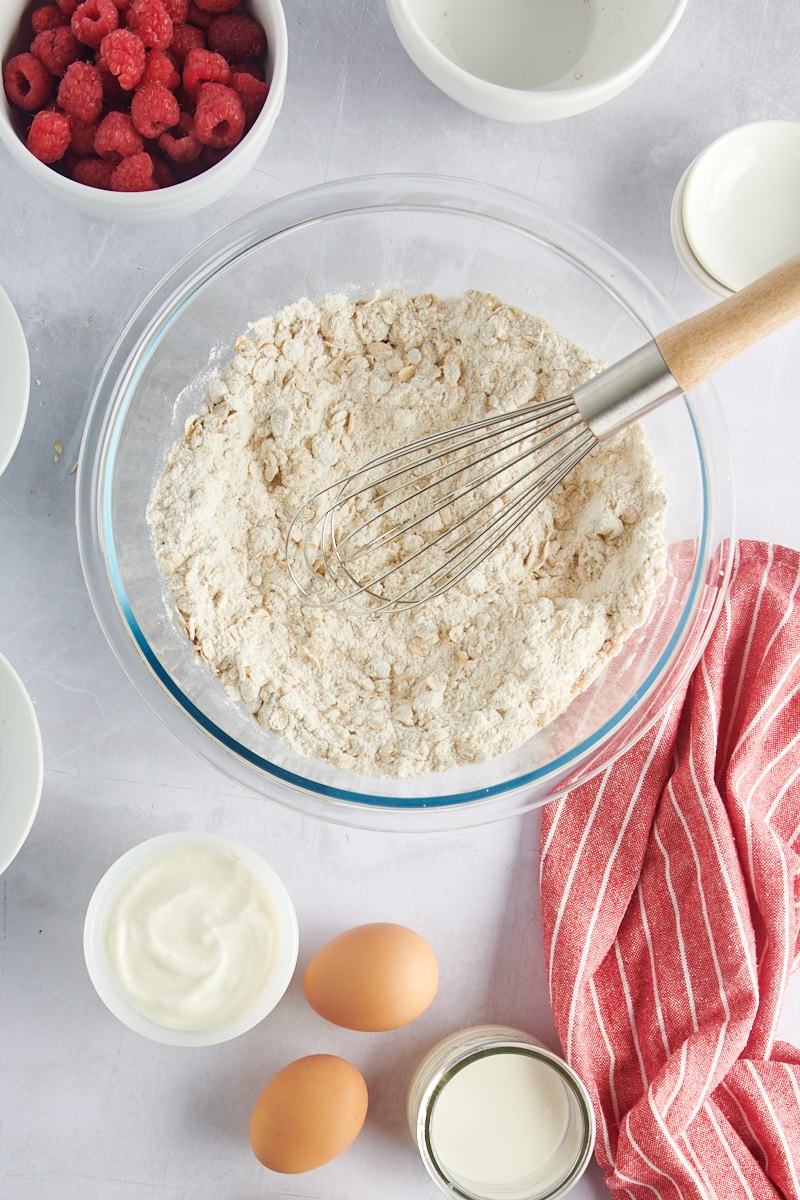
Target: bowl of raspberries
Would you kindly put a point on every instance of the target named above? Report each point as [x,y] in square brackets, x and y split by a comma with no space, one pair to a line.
[141,110]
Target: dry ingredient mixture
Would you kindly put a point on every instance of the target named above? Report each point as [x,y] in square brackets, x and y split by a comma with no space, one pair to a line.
[310,394]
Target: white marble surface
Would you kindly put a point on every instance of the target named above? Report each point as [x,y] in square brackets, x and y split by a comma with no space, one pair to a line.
[89,1111]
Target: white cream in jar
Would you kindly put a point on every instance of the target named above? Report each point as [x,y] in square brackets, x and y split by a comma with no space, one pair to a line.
[497,1116]
[190,938]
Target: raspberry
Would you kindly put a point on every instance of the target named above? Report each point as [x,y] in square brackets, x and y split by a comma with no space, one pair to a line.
[113,94]
[154,109]
[122,53]
[134,174]
[199,16]
[68,6]
[49,136]
[237,36]
[93,172]
[177,10]
[149,19]
[159,67]
[48,16]
[163,175]
[93,19]
[82,141]
[211,156]
[56,48]
[203,66]
[252,92]
[181,144]
[218,116]
[80,93]
[116,137]
[184,39]
[27,82]
[216,6]
[249,68]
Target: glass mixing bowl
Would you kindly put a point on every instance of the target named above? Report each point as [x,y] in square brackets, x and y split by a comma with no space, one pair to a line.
[424,234]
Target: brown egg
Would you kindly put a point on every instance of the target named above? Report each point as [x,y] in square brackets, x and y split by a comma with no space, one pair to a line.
[309,1112]
[373,977]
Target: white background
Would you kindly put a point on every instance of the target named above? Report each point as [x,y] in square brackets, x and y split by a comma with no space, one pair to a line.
[88,1110]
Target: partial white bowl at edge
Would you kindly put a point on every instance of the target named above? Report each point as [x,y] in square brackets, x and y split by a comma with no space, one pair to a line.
[21,764]
[16,380]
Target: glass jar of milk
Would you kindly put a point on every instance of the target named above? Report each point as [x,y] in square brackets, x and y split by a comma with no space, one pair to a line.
[497,1116]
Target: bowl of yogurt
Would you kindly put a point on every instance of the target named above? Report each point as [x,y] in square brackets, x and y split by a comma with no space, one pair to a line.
[190,939]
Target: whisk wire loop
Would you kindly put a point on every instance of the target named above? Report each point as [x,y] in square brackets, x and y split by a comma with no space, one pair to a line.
[444,505]
[432,478]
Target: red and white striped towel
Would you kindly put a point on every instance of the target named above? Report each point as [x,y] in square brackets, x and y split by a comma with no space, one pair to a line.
[670,890]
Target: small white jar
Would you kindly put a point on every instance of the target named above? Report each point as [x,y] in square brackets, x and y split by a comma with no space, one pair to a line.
[734,212]
[190,939]
[498,1116]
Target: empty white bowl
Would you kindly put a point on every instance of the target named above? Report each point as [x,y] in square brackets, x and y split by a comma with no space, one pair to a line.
[533,60]
[180,199]
[16,380]
[740,204]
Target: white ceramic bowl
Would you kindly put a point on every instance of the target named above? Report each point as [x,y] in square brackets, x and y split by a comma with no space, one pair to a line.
[533,60]
[741,202]
[16,380]
[21,764]
[283,925]
[181,198]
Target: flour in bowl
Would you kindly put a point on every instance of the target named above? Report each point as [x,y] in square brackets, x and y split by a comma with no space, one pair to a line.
[309,395]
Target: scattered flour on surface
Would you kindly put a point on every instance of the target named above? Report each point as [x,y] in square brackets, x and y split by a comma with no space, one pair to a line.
[310,394]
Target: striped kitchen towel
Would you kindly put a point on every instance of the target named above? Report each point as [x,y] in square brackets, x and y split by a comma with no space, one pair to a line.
[670,890]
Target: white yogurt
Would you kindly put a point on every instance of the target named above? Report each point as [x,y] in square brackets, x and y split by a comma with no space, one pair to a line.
[190,938]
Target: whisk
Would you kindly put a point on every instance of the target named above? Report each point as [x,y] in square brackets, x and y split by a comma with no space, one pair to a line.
[408,525]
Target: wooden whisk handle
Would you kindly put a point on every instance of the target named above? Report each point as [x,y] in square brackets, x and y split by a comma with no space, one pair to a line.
[694,349]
